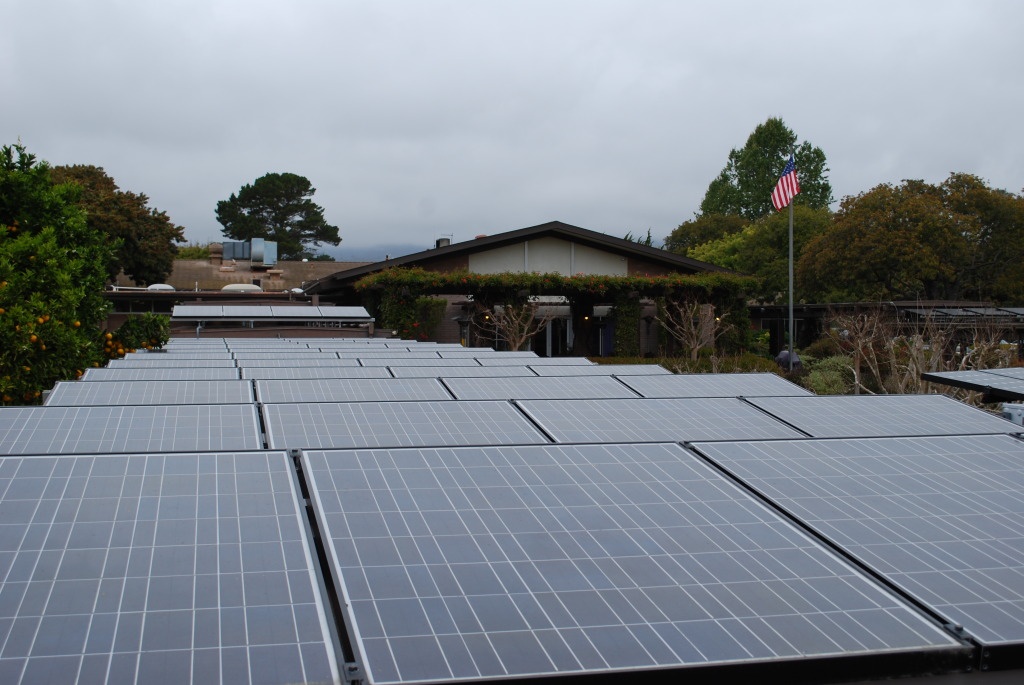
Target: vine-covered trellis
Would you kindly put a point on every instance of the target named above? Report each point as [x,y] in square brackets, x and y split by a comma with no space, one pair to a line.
[395,296]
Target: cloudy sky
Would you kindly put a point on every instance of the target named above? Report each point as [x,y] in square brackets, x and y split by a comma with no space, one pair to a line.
[417,119]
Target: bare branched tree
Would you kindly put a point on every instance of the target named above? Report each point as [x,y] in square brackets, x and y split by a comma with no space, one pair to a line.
[693,324]
[515,323]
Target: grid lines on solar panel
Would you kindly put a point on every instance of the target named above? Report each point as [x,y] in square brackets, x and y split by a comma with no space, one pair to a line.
[653,420]
[351,390]
[850,416]
[164,374]
[713,385]
[477,563]
[105,429]
[300,372]
[555,369]
[74,393]
[396,424]
[550,387]
[940,517]
[184,568]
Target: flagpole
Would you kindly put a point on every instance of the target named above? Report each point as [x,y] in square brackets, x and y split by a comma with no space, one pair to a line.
[791,286]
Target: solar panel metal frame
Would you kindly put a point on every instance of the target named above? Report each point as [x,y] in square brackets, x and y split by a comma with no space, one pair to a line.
[939,517]
[850,416]
[154,568]
[654,420]
[328,425]
[75,393]
[533,561]
[123,429]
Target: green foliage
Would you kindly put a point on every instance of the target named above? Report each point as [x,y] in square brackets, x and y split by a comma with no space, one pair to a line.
[414,318]
[647,240]
[745,185]
[144,237]
[701,230]
[278,207]
[145,331]
[920,241]
[714,287]
[626,316]
[53,269]
[762,250]
[829,375]
[745,362]
[193,251]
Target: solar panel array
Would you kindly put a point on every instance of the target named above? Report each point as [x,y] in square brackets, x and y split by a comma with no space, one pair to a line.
[997,384]
[386,511]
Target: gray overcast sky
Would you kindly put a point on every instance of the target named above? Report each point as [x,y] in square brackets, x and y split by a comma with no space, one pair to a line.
[417,119]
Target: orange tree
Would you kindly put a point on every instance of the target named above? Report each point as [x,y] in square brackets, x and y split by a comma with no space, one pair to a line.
[52,274]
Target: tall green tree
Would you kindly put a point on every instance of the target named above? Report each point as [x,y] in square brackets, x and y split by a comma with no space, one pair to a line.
[53,268]
[745,185]
[145,237]
[278,207]
[761,250]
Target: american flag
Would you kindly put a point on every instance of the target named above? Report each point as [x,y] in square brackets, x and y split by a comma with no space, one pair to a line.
[787,187]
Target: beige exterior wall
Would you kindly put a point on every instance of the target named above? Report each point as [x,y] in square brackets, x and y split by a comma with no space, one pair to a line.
[548,255]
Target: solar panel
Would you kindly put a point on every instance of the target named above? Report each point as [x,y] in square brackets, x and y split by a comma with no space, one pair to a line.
[841,416]
[159,361]
[285,359]
[299,353]
[1009,372]
[598,369]
[350,390]
[414,360]
[940,517]
[387,354]
[502,562]
[523,388]
[713,385]
[653,420]
[296,372]
[183,356]
[103,429]
[495,360]
[184,568]
[73,393]
[159,374]
[995,386]
[395,424]
[489,352]
[460,371]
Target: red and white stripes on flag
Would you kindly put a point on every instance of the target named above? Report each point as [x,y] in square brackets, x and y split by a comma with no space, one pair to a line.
[787,187]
